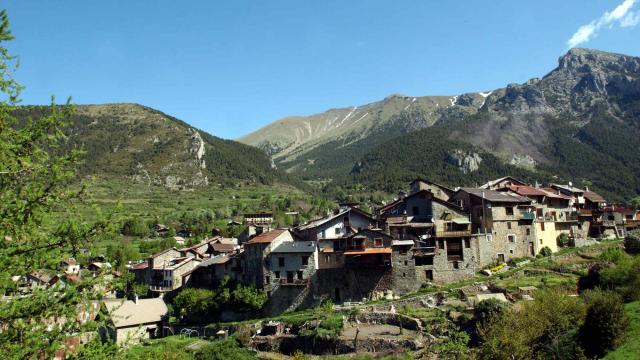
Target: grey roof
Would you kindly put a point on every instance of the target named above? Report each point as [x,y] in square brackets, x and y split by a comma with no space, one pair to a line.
[221,259]
[402,243]
[489,184]
[295,247]
[496,196]
[128,313]
[568,188]
[321,221]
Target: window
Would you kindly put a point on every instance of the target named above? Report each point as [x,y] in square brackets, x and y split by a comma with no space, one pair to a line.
[528,231]
[509,225]
[404,274]
[305,260]
[415,210]
[428,274]
[540,241]
[511,238]
[440,244]
[511,251]
[267,279]
[456,265]
[277,274]
[299,273]
[281,261]
[338,231]
[323,234]
[509,210]
[424,260]
[326,259]
[542,226]
[377,242]
[467,243]
[406,263]
[489,237]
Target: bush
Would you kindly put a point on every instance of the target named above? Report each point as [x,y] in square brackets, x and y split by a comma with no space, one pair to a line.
[563,240]
[546,251]
[489,309]
[632,242]
[605,324]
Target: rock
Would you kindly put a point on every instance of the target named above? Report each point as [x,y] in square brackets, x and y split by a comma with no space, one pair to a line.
[467,162]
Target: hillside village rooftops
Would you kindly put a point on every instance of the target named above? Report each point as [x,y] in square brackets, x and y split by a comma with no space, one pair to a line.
[173,263]
[220,247]
[130,313]
[495,196]
[295,247]
[553,193]
[318,222]
[266,238]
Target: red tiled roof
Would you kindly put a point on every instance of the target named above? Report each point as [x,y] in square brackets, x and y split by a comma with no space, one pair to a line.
[368,251]
[526,190]
[140,266]
[72,278]
[266,238]
[222,247]
[551,192]
[593,197]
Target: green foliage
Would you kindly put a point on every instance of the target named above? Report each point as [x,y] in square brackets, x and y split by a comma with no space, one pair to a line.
[563,240]
[489,309]
[635,203]
[632,242]
[169,348]
[605,324]
[630,348]
[203,305]
[225,349]
[36,164]
[620,274]
[546,251]
[545,327]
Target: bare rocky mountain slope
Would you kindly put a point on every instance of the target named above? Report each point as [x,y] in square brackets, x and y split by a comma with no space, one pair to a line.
[581,120]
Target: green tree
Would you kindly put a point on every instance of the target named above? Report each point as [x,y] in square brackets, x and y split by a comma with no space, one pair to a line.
[489,309]
[605,324]
[35,169]
[632,242]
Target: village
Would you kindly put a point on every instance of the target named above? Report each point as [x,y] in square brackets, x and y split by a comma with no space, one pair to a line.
[428,236]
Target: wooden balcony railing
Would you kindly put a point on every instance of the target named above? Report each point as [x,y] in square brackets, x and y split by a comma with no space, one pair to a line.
[294,282]
[459,233]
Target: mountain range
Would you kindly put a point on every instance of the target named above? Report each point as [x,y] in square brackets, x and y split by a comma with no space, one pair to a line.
[579,122]
[135,143]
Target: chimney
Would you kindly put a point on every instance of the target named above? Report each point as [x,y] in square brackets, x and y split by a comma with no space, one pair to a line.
[570,183]
[586,188]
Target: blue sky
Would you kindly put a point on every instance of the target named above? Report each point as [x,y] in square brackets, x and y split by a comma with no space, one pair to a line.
[230,67]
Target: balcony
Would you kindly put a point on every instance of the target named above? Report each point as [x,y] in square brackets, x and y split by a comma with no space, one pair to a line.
[527,216]
[457,233]
[294,282]
[160,288]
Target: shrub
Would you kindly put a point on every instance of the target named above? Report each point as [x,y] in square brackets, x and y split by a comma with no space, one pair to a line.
[489,309]
[546,251]
[605,323]
[562,240]
[632,242]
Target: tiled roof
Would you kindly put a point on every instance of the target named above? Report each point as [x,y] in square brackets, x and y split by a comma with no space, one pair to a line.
[551,192]
[140,266]
[266,238]
[223,247]
[593,197]
[526,190]
[495,196]
[568,188]
[295,247]
[128,313]
[220,259]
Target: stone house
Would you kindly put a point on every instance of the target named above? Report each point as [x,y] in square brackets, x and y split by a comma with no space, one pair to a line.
[502,222]
[292,268]
[70,266]
[439,191]
[131,321]
[256,256]
[168,273]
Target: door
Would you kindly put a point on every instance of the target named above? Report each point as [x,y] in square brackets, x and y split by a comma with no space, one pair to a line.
[501,258]
[531,250]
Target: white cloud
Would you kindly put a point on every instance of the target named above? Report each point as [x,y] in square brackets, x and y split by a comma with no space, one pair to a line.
[622,14]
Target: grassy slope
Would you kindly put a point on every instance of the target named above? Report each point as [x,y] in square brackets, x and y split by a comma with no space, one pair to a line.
[630,349]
